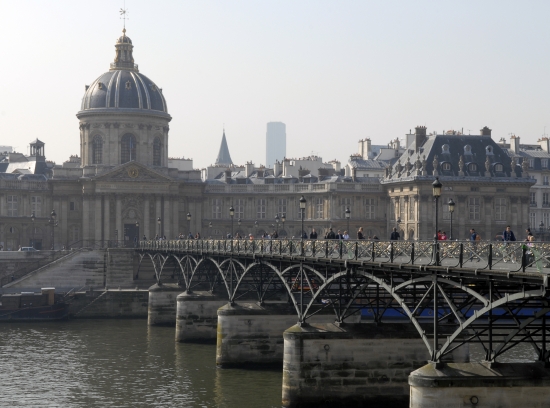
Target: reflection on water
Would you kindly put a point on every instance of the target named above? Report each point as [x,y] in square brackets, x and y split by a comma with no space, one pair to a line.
[124,363]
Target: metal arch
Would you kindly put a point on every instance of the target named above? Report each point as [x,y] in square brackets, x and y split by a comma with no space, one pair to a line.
[481,312]
[188,265]
[141,256]
[388,289]
[216,264]
[249,268]
[161,264]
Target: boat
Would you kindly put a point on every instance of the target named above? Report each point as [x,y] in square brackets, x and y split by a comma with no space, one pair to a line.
[32,306]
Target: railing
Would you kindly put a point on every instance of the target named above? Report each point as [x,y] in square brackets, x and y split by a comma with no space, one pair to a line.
[480,255]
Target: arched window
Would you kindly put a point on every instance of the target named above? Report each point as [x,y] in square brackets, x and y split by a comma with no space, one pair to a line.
[127,148]
[156,152]
[97,150]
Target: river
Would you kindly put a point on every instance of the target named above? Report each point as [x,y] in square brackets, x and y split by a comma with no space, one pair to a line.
[121,363]
[125,363]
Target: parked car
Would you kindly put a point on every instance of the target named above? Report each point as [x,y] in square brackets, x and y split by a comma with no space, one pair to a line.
[29,249]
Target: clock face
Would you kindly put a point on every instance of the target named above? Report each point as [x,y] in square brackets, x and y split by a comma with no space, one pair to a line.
[133,172]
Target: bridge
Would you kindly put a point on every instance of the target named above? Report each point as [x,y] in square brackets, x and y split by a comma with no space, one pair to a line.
[453,293]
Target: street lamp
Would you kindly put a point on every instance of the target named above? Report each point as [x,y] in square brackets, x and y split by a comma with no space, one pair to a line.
[33,218]
[348,215]
[256,228]
[283,219]
[137,233]
[541,229]
[158,226]
[231,214]
[189,223]
[302,212]
[277,219]
[436,187]
[210,229]
[239,223]
[451,205]
[53,216]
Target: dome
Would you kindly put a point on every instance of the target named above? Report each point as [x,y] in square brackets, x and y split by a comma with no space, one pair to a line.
[123,89]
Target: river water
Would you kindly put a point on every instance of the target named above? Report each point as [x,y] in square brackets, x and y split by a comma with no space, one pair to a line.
[121,363]
[125,363]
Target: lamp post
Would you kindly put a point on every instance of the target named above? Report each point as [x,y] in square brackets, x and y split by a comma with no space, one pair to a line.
[239,224]
[302,212]
[436,189]
[541,229]
[231,214]
[283,219]
[33,218]
[53,223]
[158,227]
[256,228]
[210,229]
[136,238]
[189,223]
[348,215]
[451,205]
[277,219]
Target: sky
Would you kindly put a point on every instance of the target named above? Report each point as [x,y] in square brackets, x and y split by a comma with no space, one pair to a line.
[333,71]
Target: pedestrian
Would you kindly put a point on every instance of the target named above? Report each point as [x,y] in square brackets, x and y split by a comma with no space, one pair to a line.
[346,235]
[360,234]
[474,237]
[394,236]
[443,236]
[339,235]
[530,237]
[313,234]
[508,234]
[144,237]
[304,235]
[330,234]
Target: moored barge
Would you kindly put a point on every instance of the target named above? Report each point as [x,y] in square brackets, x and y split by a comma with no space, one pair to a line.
[31,306]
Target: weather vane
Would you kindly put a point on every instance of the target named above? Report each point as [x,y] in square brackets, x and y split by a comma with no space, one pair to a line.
[124,14]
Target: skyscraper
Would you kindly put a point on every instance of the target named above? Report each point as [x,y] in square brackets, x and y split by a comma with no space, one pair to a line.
[275,143]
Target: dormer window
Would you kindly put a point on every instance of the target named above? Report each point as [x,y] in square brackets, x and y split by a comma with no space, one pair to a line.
[128,85]
[499,168]
[489,150]
[472,167]
[445,149]
[467,150]
[446,166]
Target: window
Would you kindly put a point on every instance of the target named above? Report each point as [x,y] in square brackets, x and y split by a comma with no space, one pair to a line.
[500,209]
[216,208]
[499,168]
[472,167]
[446,166]
[544,163]
[402,208]
[532,221]
[239,208]
[545,180]
[370,208]
[72,206]
[545,199]
[345,203]
[319,207]
[127,148]
[75,233]
[156,152]
[12,206]
[533,199]
[281,206]
[546,220]
[260,208]
[36,205]
[531,163]
[97,150]
[474,208]
[411,209]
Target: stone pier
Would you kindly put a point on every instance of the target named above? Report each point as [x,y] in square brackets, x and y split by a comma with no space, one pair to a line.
[197,316]
[352,364]
[162,304]
[252,335]
[494,385]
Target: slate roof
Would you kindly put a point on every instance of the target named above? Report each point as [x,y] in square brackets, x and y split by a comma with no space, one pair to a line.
[224,158]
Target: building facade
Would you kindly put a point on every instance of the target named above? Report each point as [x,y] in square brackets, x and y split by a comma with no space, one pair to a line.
[275,143]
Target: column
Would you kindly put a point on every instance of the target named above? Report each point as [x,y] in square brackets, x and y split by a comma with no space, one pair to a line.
[85,218]
[168,219]
[106,218]
[63,222]
[146,219]
[175,216]
[118,217]
[158,215]
[97,218]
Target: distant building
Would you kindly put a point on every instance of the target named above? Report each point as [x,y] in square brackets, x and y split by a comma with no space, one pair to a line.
[275,143]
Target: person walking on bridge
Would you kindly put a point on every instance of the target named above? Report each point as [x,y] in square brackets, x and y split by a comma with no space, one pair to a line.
[395,235]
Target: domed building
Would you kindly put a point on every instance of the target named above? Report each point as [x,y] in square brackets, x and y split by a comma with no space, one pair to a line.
[123,116]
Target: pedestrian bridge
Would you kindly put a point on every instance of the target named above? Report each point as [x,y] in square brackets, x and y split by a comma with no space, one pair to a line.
[453,292]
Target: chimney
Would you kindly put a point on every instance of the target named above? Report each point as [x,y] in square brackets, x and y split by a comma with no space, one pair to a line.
[354,173]
[249,169]
[228,176]
[260,173]
[369,149]
[336,165]
[276,168]
[362,148]
[544,144]
[420,136]
[485,131]
[514,143]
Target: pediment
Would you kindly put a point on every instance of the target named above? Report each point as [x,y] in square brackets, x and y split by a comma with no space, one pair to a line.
[133,172]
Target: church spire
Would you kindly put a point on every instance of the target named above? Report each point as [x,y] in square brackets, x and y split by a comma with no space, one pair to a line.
[123,55]
[224,158]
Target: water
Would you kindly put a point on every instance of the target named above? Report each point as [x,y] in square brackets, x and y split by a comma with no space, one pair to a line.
[121,363]
[125,363]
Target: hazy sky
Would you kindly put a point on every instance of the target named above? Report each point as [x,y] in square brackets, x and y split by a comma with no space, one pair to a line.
[333,71]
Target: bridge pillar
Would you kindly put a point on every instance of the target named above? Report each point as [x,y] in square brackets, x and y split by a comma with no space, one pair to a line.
[252,335]
[352,364]
[502,385]
[197,316]
[162,304]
